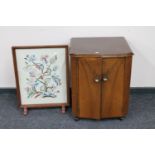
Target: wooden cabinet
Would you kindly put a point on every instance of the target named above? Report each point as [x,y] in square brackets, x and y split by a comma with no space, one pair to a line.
[100,73]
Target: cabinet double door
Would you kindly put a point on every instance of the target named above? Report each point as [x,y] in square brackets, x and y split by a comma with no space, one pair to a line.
[101,87]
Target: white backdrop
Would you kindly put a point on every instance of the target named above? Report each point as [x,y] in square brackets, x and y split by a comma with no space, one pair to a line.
[140,39]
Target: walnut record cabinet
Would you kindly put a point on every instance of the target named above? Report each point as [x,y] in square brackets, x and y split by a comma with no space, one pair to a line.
[100,73]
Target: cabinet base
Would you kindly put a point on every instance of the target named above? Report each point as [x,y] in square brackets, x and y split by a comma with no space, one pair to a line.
[76,119]
[121,118]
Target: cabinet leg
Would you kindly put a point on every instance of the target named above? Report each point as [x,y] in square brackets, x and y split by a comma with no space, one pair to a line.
[121,118]
[63,109]
[25,111]
[76,119]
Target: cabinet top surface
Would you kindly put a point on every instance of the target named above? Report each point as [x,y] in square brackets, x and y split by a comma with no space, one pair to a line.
[103,46]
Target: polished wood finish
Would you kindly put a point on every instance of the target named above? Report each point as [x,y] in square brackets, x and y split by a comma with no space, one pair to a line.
[103,46]
[127,76]
[113,88]
[100,77]
[89,90]
[74,76]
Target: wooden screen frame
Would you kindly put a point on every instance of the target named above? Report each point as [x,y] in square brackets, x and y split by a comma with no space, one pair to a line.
[46,105]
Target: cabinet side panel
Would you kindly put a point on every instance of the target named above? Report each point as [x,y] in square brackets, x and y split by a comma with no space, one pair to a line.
[74,78]
[113,88]
[127,77]
[89,91]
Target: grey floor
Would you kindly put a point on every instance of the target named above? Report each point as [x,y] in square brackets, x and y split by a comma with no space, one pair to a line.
[141,116]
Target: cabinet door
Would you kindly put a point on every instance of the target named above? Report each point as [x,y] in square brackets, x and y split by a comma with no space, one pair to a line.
[112,87]
[89,97]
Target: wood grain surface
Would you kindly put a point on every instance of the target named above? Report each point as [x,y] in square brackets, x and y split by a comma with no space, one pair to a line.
[100,46]
[89,97]
[112,90]
[109,60]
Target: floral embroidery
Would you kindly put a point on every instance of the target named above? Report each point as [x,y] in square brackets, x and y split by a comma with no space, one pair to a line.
[43,80]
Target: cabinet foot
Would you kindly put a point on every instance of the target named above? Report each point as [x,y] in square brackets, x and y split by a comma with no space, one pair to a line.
[63,109]
[25,111]
[121,118]
[76,119]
